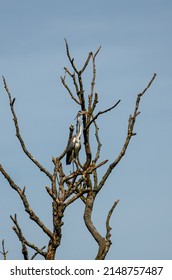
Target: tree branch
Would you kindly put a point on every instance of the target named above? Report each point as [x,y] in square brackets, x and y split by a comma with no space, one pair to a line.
[86,62]
[69,57]
[130,133]
[23,197]
[69,91]
[74,80]
[75,197]
[4,252]
[102,112]
[24,242]
[103,244]
[93,82]
[108,228]
[18,134]
[20,237]
[33,257]
[99,145]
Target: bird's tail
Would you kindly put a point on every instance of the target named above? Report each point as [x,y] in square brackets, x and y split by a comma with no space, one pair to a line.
[68,157]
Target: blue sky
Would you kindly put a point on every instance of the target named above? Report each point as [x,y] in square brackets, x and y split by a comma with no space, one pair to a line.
[136,42]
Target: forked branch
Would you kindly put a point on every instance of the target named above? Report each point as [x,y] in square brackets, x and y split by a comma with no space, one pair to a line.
[4,252]
[24,242]
[69,90]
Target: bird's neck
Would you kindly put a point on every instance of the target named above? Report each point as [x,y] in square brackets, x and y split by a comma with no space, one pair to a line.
[79,127]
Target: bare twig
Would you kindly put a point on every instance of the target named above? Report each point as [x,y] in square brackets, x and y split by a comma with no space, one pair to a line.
[76,85]
[74,80]
[86,63]
[108,228]
[33,257]
[102,112]
[98,165]
[99,145]
[69,57]
[69,91]
[24,242]
[18,134]
[94,102]
[4,252]
[93,81]
[96,53]
[75,197]
[19,233]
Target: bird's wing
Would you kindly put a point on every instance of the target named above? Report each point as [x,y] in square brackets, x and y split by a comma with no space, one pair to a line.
[69,153]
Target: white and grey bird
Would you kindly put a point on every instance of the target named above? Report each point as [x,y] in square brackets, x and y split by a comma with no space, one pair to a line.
[74,144]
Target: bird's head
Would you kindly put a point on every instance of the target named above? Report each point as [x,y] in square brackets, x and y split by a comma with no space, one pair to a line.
[80,113]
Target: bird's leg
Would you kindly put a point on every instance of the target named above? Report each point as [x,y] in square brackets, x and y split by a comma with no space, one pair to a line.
[78,162]
[75,161]
[73,165]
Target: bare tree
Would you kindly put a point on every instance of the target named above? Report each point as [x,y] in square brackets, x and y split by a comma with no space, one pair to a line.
[83,183]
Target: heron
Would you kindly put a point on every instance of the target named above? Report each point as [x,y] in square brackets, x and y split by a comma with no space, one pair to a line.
[74,144]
